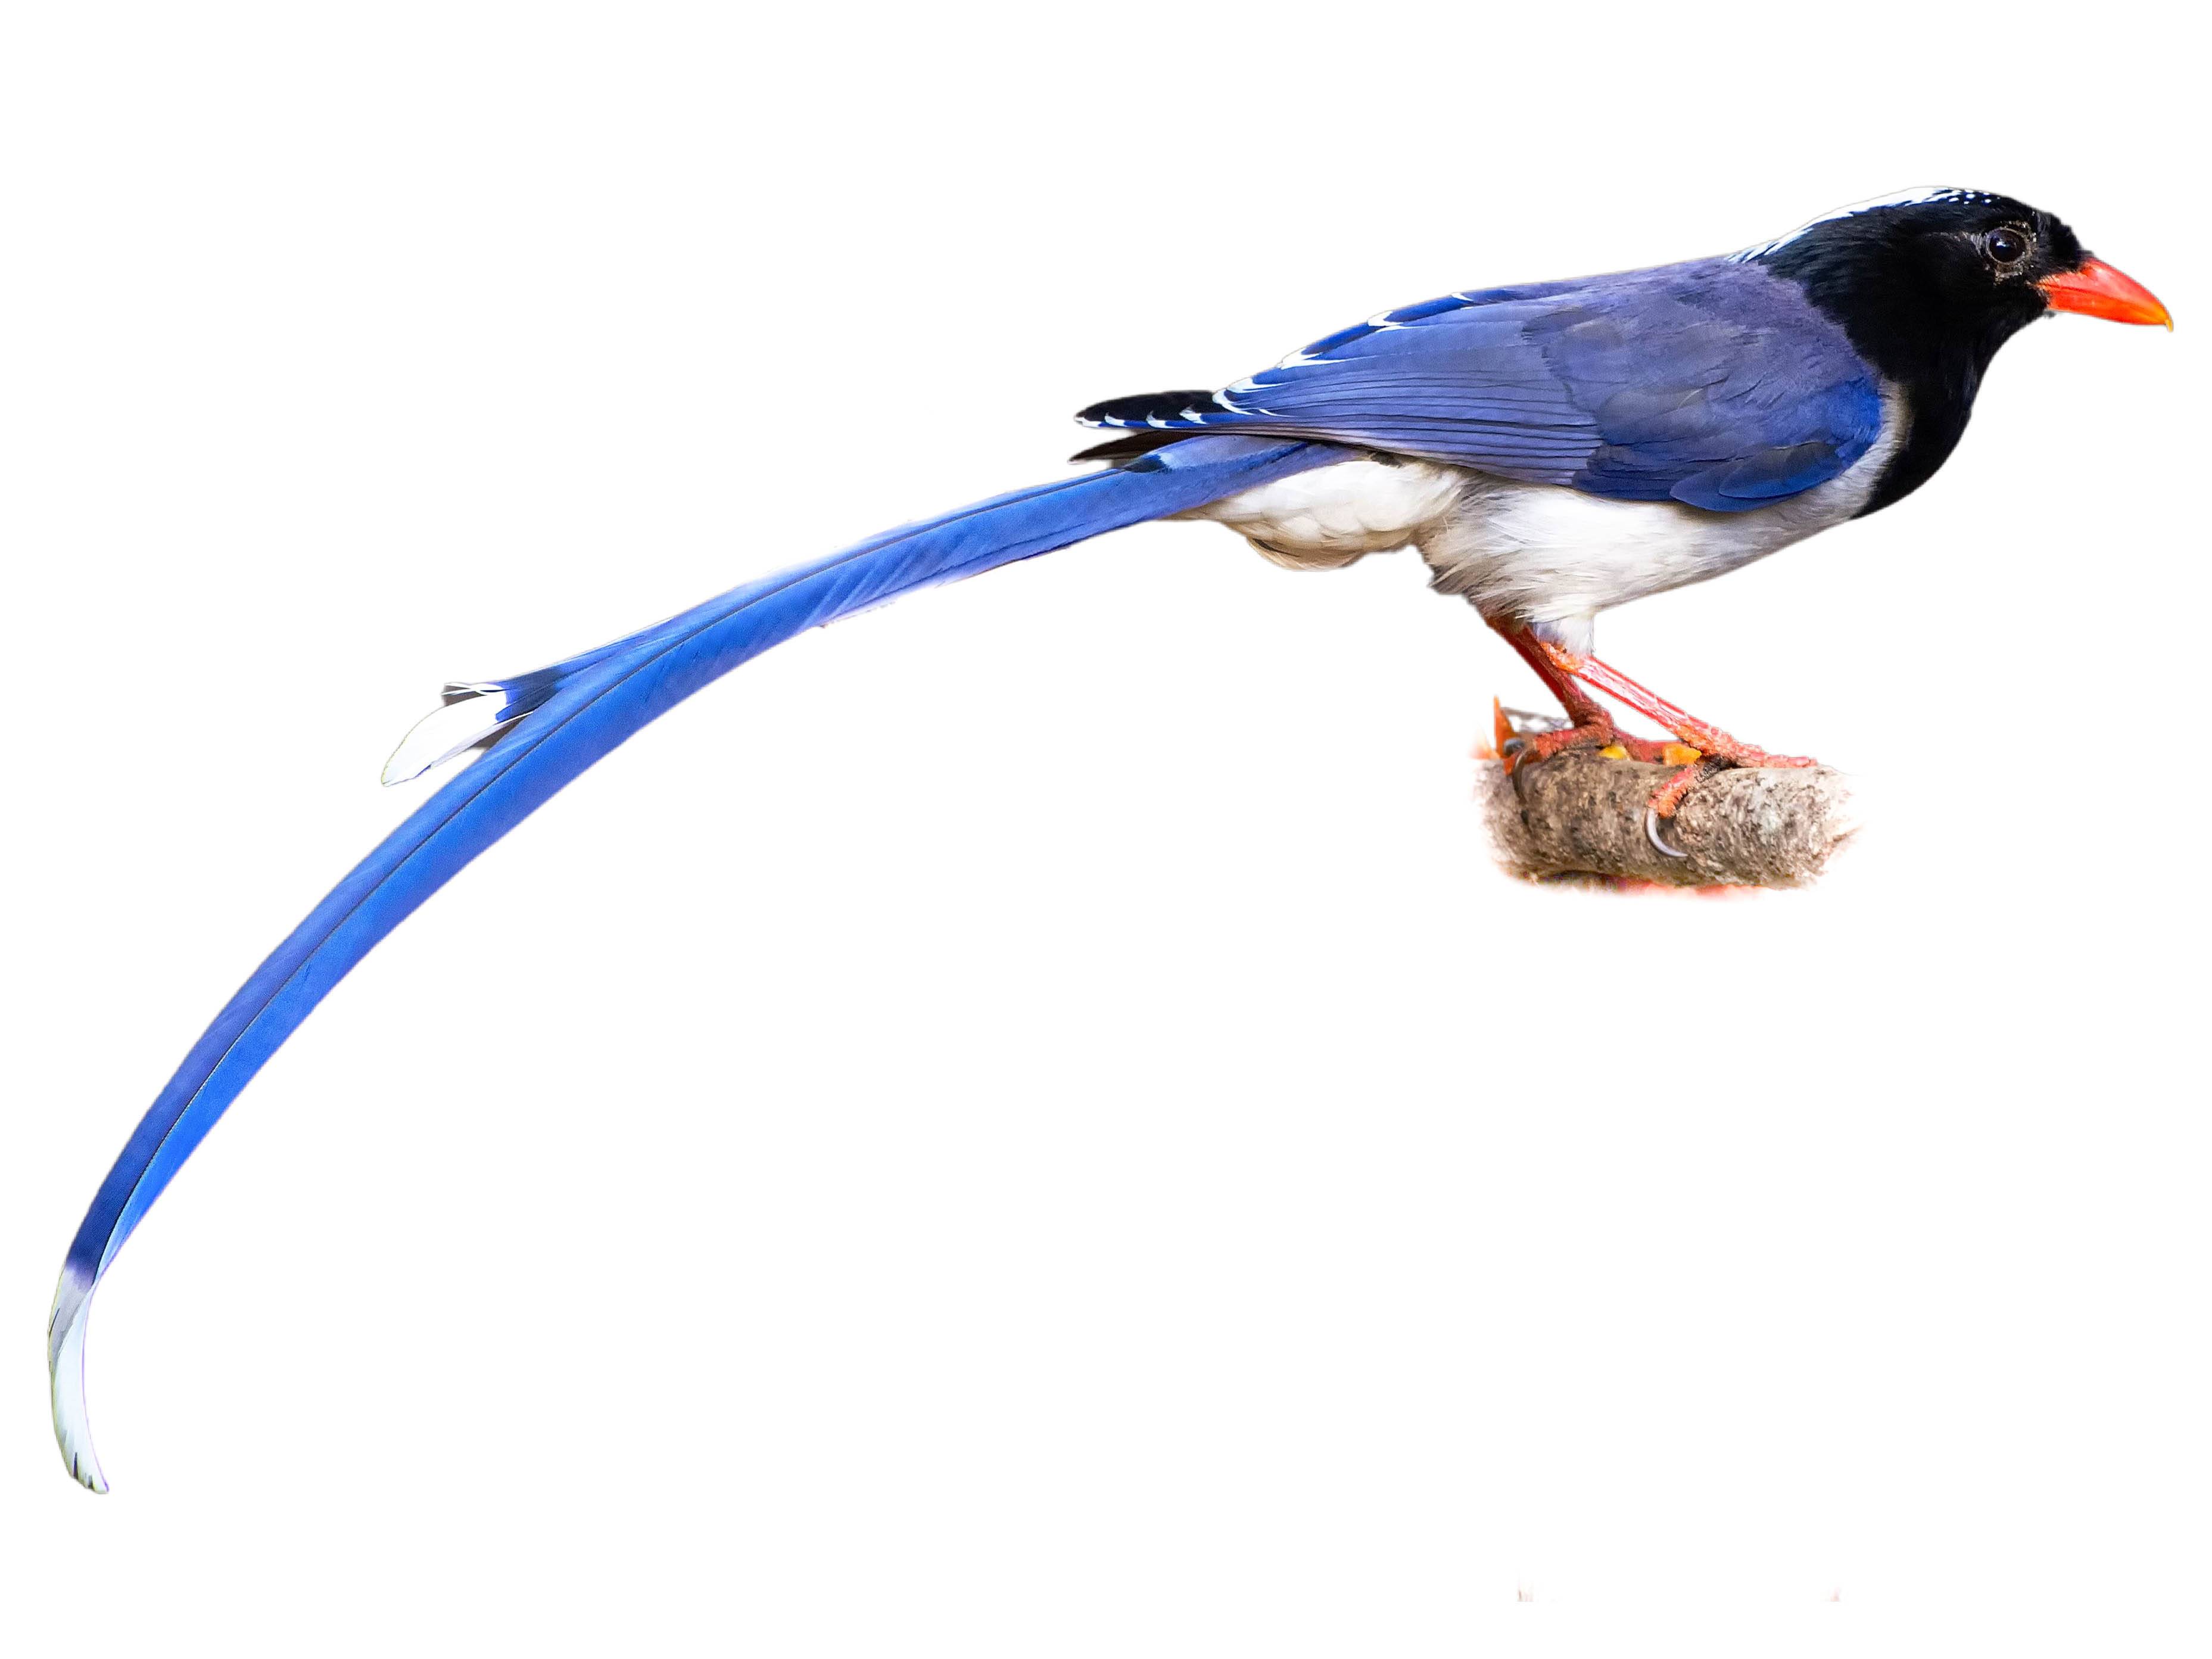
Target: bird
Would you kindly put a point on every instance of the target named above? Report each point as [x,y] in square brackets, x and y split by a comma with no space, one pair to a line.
[1551,449]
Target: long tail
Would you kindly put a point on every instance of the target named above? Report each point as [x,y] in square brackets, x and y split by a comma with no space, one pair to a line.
[545,728]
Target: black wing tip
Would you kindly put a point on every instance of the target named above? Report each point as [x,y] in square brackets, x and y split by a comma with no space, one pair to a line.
[1130,445]
[1144,408]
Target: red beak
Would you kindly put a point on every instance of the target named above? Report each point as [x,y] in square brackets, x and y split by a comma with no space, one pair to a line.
[2098,290]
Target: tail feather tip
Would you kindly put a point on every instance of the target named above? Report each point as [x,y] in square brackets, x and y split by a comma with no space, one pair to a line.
[460,722]
[65,1367]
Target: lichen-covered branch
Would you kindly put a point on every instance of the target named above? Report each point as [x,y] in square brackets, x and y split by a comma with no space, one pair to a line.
[1581,814]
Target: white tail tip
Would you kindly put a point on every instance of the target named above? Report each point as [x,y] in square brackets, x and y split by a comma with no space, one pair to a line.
[457,725]
[65,1369]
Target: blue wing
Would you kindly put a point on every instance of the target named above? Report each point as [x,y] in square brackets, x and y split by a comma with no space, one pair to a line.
[1713,383]
[549,726]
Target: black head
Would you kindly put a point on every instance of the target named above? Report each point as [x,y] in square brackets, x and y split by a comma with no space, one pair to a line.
[1937,275]
[1929,284]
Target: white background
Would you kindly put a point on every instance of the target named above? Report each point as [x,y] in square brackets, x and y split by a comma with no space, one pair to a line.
[1025,1124]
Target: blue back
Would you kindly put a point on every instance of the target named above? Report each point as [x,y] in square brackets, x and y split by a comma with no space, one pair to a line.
[1714,383]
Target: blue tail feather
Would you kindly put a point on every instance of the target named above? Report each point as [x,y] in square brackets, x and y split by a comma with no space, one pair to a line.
[551,725]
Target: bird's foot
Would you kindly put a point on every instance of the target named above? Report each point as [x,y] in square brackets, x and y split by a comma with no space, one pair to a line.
[1598,734]
[1703,750]
[1719,753]
[1522,737]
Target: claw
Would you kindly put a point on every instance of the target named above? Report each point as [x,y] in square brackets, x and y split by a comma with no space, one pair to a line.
[1518,732]
[1651,832]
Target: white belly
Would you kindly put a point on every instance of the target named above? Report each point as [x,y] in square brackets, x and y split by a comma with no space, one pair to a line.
[1327,518]
[1524,555]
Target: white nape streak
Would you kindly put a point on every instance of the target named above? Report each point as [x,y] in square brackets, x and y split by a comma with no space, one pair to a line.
[1912,197]
[1538,556]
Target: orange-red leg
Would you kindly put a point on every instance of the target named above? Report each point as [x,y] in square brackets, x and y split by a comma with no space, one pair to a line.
[1701,735]
[1710,749]
[1592,720]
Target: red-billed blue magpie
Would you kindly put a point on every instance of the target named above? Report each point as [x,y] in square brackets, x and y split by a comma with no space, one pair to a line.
[1552,449]
[1557,449]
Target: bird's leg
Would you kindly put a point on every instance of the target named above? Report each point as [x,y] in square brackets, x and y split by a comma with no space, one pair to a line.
[1714,748]
[1592,720]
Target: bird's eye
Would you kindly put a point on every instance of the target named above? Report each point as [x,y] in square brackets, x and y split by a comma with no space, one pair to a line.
[2006,246]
